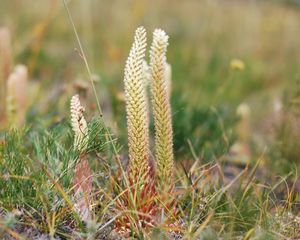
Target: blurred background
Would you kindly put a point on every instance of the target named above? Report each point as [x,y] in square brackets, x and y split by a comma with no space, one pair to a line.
[235,69]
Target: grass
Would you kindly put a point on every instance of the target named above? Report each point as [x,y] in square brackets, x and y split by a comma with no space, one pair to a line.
[218,196]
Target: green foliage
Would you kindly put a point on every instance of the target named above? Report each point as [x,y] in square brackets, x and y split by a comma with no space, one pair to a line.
[16,176]
[209,129]
[97,142]
[26,156]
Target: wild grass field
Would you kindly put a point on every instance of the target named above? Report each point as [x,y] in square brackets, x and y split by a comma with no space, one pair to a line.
[136,119]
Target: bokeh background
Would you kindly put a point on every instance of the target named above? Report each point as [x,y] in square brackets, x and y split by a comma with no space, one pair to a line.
[223,54]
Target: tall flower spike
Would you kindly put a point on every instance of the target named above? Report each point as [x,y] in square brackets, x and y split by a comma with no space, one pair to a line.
[5,63]
[16,97]
[79,124]
[161,108]
[82,172]
[136,109]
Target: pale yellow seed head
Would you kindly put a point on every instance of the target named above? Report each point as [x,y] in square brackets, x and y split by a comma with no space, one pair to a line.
[16,96]
[160,88]
[5,64]
[136,107]
[79,124]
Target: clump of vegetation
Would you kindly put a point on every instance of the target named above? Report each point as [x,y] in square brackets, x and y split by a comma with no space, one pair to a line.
[208,130]
[67,176]
[286,146]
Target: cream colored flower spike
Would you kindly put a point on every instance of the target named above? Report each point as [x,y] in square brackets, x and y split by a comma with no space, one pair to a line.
[79,124]
[161,108]
[5,63]
[16,96]
[136,107]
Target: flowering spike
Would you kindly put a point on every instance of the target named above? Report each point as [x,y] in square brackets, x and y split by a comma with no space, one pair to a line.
[82,172]
[16,98]
[136,108]
[161,108]
[5,63]
[79,124]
